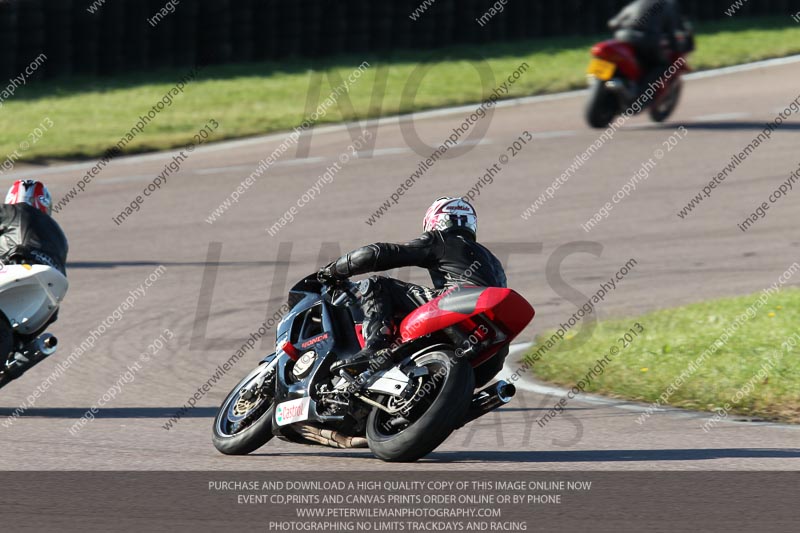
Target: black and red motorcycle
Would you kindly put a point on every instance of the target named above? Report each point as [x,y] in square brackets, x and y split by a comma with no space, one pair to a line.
[617,81]
[446,349]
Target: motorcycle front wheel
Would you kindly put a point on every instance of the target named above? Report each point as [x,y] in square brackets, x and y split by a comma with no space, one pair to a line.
[244,420]
[438,405]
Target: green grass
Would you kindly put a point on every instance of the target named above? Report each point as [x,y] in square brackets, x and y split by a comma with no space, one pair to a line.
[673,338]
[90,115]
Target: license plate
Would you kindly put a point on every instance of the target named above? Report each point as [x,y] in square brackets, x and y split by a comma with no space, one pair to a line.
[292,411]
[601,69]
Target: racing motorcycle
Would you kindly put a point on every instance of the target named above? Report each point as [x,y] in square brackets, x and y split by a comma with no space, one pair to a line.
[29,298]
[446,349]
[617,81]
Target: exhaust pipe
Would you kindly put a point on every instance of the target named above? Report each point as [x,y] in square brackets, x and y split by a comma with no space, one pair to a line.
[46,344]
[489,399]
[330,437]
[32,354]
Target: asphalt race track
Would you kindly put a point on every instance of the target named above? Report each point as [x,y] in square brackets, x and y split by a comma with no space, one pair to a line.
[211,310]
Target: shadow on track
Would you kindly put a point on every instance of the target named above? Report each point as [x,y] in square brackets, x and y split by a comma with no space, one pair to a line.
[733,125]
[115,412]
[599,456]
[577,456]
[543,409]
[361,453]
[134,264]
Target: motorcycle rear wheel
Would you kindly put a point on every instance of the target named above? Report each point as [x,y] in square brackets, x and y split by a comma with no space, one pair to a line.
[243,426]
[6,347]
[434,415]
[663,110]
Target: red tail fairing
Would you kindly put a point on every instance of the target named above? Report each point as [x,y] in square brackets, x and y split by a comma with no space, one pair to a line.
[621,54]
[683,66]
[505,308]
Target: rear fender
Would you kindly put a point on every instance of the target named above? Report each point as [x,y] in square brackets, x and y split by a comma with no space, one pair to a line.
[621,54]
[438,347]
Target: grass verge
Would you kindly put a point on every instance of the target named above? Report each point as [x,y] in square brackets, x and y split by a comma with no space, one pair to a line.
[755,373]
[90,115]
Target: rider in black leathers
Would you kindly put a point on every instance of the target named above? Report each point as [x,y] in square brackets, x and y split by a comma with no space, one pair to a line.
[645,23]
[29,235]
[448,250]
[27,231]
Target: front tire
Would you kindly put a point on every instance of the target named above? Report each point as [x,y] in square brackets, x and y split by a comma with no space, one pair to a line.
[602,106]
[433,415]
[243,426]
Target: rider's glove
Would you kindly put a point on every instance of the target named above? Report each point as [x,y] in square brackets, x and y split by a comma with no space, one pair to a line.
[327,274]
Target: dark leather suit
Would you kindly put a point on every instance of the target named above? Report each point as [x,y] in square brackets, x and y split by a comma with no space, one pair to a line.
[644,24]
[27,233]
[452,257]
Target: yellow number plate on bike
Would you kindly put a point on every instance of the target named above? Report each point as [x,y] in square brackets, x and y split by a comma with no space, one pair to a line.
[601,69]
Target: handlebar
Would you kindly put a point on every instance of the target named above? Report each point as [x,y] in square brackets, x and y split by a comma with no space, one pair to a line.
[346,296]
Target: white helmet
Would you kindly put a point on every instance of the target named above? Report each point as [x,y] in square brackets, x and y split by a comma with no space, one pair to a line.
[448,213]
[30,192]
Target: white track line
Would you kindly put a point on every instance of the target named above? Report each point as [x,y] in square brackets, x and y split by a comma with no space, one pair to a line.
[745,67]
[217,170]
[385,151]
[554,134]
[593,399]
[322,130]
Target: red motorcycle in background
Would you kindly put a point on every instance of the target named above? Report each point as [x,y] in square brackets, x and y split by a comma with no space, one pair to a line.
[618,82]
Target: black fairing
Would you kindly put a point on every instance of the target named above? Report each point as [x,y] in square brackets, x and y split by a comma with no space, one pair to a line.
[328,330]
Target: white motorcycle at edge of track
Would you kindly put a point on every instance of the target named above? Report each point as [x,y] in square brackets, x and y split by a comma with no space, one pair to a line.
[29,297]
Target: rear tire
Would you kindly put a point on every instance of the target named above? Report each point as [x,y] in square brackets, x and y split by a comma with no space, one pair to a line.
[602,106]
[6,339]
[446,413]
[664,110]
[228,438]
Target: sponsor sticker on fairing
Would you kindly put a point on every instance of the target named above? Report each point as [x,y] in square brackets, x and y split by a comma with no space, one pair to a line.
[315,340]
[292,411]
